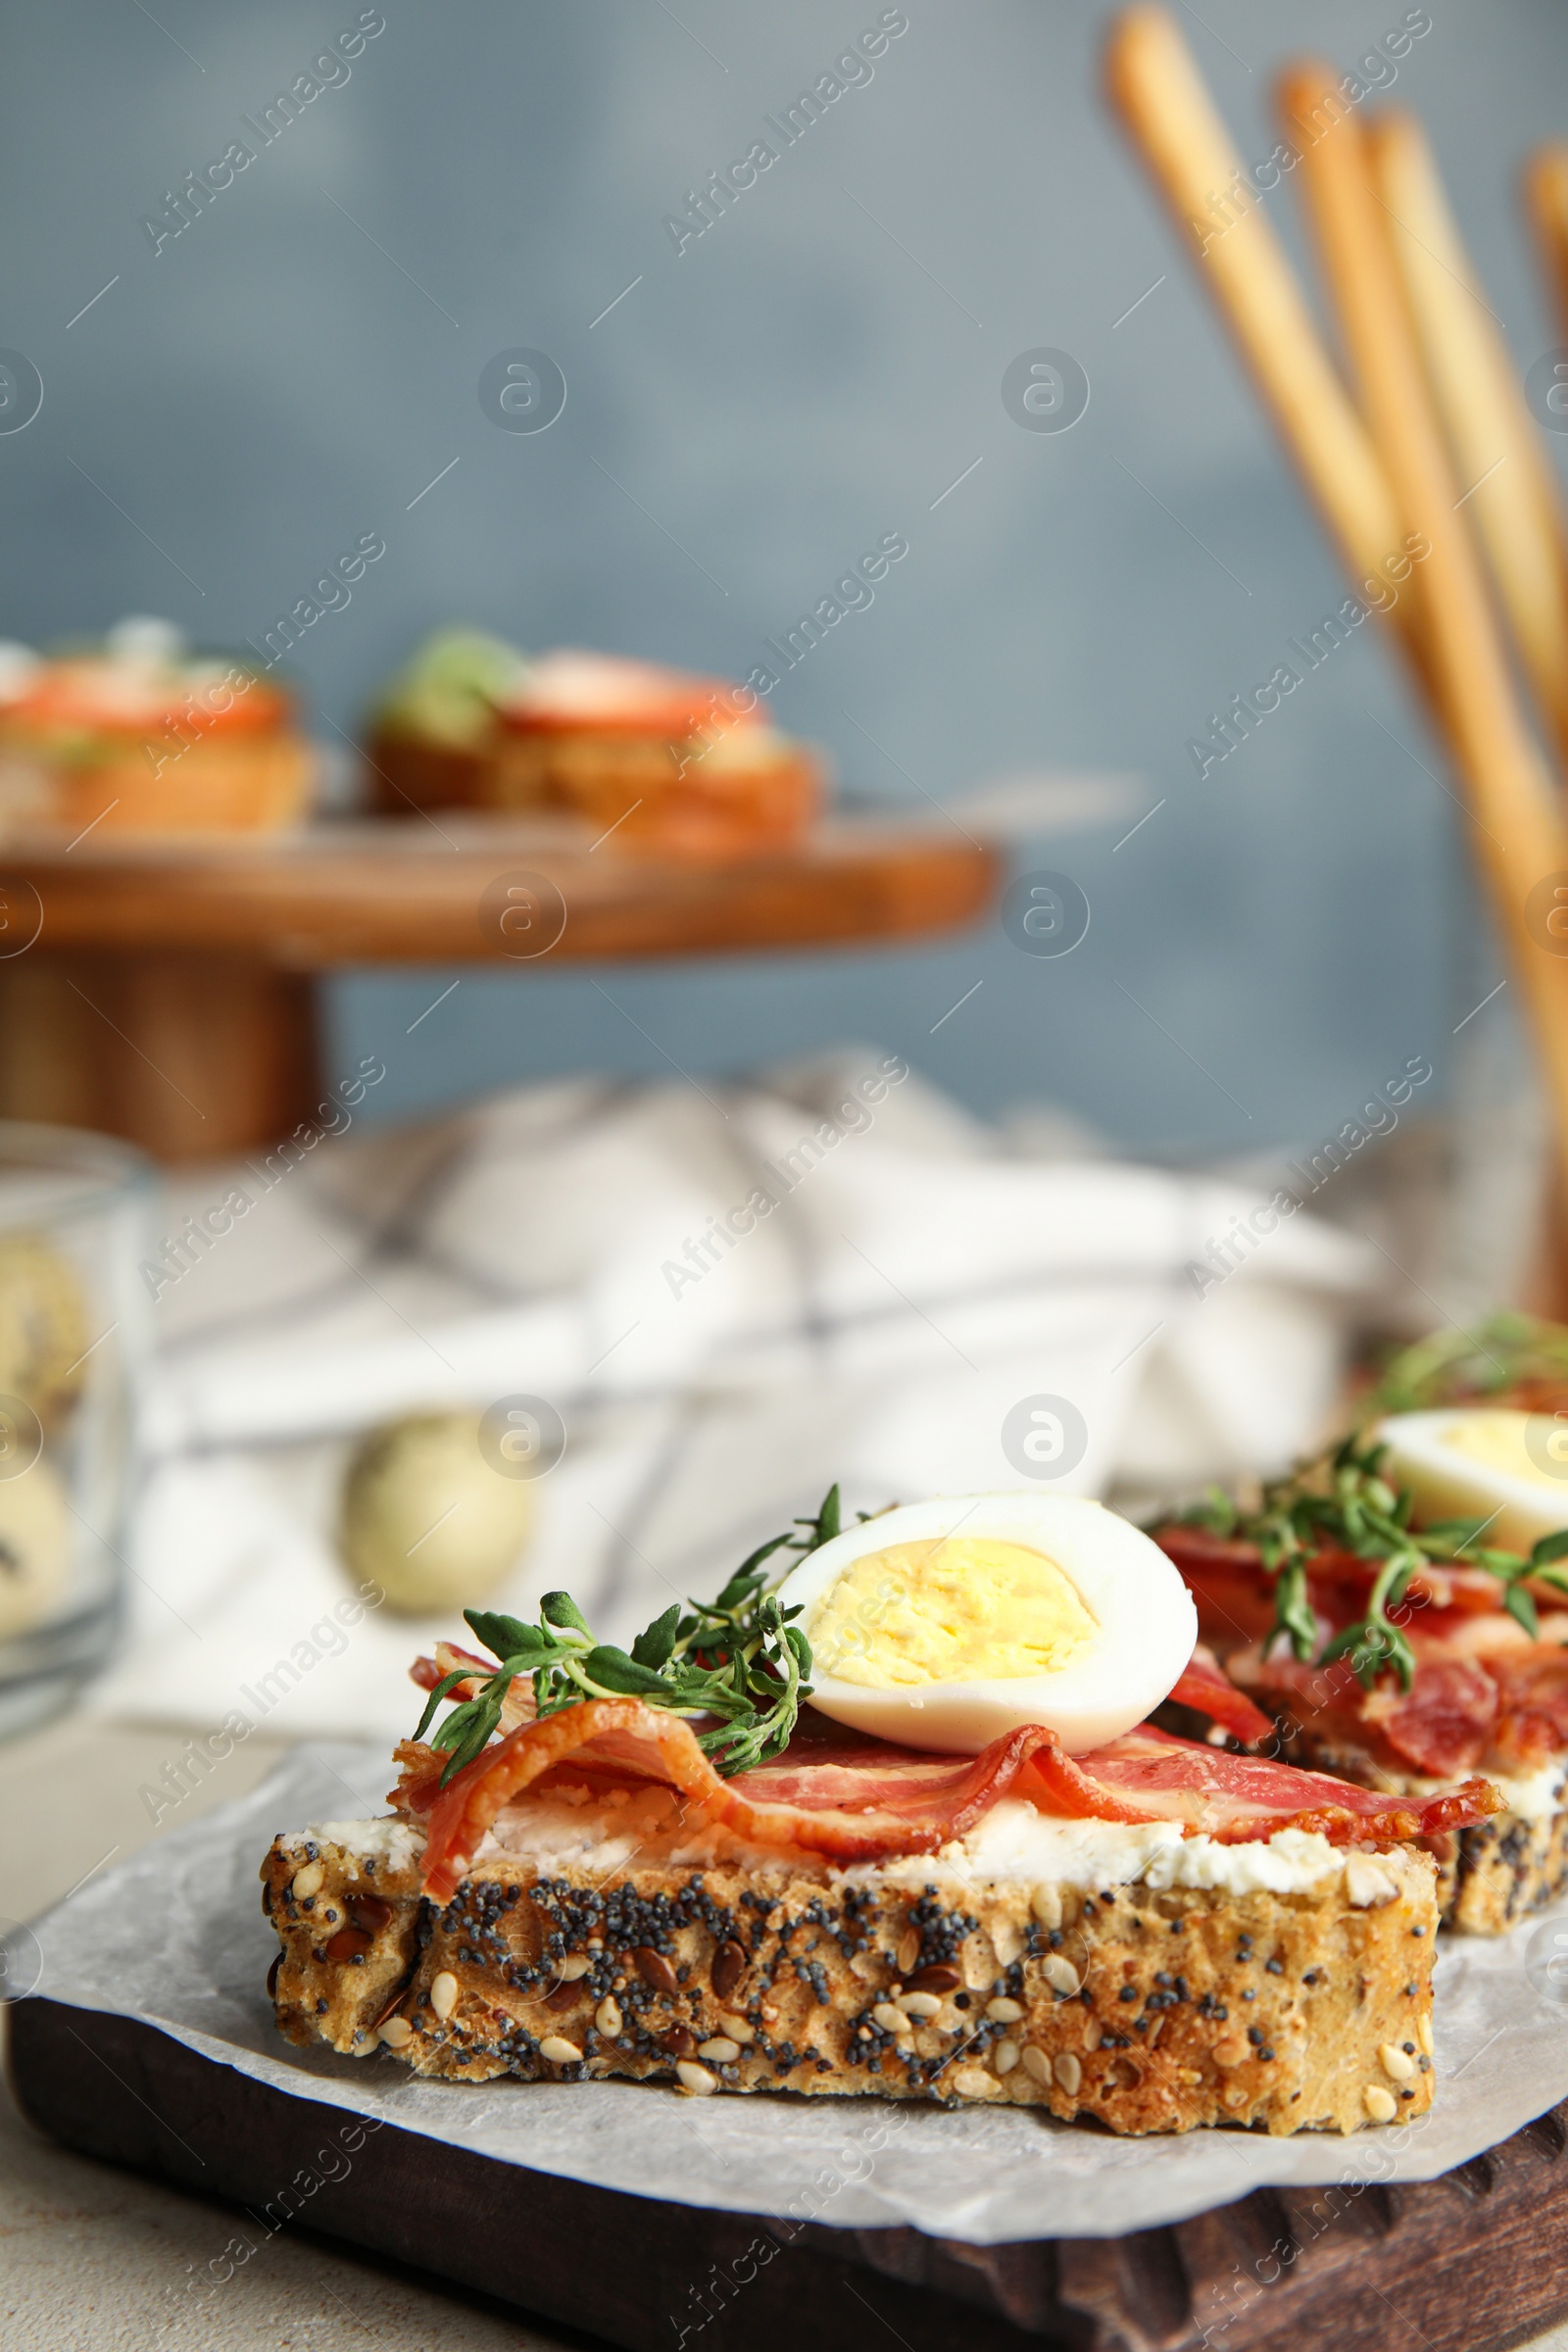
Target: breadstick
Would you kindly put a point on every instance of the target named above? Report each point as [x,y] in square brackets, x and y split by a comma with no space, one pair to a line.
[1156,88]
[1506,481]
[1547,201]
[1520,837]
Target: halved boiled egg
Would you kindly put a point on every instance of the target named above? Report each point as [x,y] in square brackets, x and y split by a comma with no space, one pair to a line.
[1475,1461]
[944,1625]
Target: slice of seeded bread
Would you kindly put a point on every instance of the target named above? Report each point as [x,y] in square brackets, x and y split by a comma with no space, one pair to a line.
[1148,2011]
[1490,1876]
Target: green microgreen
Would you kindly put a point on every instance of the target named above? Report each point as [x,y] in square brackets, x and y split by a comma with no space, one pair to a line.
[1454,1366]
[1343,1502]
[738,1659]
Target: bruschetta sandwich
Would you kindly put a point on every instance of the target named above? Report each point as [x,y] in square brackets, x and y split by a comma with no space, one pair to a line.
[1400,1610]
[139,735]
[967,1871]
[659,756]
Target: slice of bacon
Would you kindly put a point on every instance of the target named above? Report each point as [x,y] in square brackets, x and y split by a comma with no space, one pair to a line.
[1441,1726]
[1145,1775]
[1207,1690]
[1533,1705]
[1236,1800]
[867,1802]
[1482,1687]
[1225,1578]
[898,1802]
[1235,1593]
[1445,1723]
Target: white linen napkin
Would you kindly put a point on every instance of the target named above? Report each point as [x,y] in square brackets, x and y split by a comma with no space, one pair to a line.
[718,1364]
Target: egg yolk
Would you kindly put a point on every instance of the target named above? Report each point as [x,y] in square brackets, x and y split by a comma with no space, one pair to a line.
[1496,1441]
[955,1610]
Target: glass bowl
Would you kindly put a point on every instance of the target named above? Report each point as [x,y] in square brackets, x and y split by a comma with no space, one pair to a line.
[75,1334]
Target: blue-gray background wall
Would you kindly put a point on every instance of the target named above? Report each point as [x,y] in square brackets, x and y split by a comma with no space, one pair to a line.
[813,372]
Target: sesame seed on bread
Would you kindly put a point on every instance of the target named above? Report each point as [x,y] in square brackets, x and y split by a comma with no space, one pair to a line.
[1144,2010]
[1490,1876]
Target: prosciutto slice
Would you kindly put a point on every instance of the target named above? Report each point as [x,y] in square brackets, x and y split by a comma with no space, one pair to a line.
[867,1801]
[1531,1705]
[1207,1690]
[1482,1691]
[1441,1726]
[1238,1798]
[1235,1594]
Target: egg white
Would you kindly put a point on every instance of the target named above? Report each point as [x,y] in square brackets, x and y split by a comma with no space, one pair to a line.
[1147,1627]
[1452,1486]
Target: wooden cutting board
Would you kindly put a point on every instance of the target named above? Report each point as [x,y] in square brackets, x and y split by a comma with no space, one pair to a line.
[1474,2262]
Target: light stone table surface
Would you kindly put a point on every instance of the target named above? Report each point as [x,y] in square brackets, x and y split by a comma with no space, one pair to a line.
[93,2259]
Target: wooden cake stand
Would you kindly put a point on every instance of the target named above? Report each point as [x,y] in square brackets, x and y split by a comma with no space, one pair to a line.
[167,991]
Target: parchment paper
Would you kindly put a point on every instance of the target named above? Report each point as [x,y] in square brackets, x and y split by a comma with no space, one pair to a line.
[175,1937]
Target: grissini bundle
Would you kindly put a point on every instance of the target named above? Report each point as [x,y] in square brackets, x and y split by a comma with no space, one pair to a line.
[1518,831]
[1375,489]
[1545,184]
[1154,85]
[1506,481]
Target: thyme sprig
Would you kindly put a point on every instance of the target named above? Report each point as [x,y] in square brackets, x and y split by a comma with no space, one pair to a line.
[1343,1502]
[1507,1352]
[738,1657]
